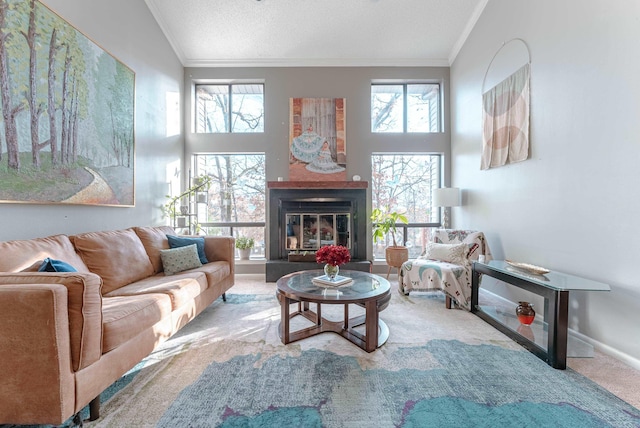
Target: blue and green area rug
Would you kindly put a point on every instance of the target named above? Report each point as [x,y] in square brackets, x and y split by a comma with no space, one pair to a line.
[439,368]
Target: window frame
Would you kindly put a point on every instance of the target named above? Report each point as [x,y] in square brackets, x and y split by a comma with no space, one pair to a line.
[403,228]
[258,252]
[405,102]
[230,112]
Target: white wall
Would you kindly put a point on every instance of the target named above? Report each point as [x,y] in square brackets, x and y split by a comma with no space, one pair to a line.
[128,31]
[573,205]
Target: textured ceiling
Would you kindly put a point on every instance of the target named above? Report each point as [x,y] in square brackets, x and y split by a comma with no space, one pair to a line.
[316,32]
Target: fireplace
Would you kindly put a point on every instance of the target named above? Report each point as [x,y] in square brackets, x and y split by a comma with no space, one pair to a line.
[306,215]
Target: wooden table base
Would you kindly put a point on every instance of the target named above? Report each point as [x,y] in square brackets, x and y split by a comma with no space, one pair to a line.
[376,331]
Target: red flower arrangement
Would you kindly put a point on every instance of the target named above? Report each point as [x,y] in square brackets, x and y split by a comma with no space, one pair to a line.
[334,255]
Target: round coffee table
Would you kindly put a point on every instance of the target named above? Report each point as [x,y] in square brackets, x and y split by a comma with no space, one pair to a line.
[370,291]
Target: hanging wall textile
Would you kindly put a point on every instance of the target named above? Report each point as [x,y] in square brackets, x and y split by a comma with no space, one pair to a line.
[505,118]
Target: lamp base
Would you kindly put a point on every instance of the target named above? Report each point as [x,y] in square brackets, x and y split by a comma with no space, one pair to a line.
[445,219]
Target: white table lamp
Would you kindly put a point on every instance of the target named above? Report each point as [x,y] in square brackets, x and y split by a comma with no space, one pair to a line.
[445,197]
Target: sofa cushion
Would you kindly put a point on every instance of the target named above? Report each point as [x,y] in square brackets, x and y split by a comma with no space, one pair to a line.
[123,318]
[215,271]
[154,239]
[183,241]
[452,253]
[180,259]
[118,256]
[52,265]
[473,238]
[180,288]
[24,255]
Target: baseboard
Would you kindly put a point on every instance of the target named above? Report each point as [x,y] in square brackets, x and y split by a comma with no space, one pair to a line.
[250,266]
[609,350]
[601,347]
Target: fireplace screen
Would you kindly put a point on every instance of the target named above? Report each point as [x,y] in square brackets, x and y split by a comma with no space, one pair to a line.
[309,232]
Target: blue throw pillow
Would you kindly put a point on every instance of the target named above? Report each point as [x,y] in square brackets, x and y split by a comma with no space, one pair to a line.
[51,265]
[182,241]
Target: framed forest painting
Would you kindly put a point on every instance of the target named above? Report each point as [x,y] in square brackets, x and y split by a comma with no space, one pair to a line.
[67,124]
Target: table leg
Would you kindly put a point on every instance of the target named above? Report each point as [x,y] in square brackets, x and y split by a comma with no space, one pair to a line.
[346,317]
[558,308]
[475,285]
[371,325]
[284,319]
[318,314]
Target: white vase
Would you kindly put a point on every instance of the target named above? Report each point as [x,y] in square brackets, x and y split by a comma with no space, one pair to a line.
[245,253]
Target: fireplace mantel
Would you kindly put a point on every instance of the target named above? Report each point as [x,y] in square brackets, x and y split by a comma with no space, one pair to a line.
[317,184]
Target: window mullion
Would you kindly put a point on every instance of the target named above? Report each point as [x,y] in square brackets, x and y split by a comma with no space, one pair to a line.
[405,108]
[230,108]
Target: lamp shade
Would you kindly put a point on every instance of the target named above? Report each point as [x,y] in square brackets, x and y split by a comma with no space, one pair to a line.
[446,197]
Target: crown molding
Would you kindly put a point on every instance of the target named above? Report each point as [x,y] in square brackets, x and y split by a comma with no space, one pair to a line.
[166,30]
[318,62]
[477,12]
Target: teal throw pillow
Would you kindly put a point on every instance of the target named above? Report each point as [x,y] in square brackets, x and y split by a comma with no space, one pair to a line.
[182,241]
[178,259]
[51,265]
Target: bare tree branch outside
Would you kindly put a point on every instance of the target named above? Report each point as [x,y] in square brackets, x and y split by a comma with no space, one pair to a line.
[237,193]
[404,182]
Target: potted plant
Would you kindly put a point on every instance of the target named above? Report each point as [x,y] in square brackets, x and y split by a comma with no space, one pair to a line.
[244,245]
[384,222]
[177,207]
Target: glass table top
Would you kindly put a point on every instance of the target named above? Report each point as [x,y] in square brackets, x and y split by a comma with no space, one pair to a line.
[364,285]
[553,280]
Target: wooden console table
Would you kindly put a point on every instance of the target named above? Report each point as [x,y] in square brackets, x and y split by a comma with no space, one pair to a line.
[554,287]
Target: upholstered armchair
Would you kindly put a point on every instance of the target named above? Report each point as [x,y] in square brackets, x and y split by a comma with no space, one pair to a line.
[445,265]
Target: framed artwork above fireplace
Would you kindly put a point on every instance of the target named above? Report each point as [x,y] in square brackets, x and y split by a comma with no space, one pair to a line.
[317,143]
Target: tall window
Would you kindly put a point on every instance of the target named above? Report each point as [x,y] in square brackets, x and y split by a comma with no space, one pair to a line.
[404,182]
[229,108]
[409,107]
[236,203]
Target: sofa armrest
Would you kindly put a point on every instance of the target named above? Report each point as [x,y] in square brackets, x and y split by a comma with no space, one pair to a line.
[36,360]
[482,247]
[84,308]
[219,248]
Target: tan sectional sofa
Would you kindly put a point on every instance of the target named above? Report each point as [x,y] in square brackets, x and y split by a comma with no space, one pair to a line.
[66,336]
